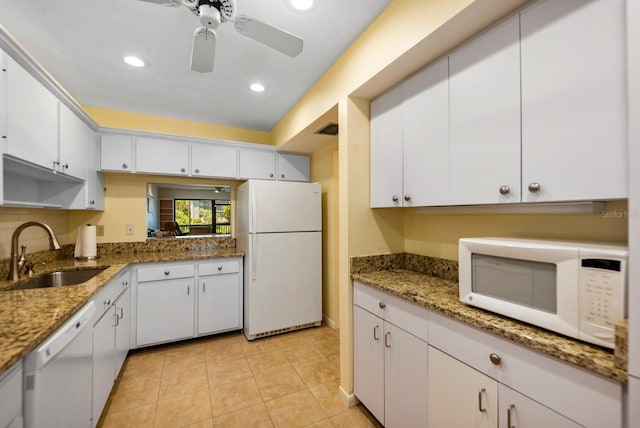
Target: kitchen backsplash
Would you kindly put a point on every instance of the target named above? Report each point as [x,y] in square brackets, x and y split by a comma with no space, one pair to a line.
[34,238]
[442,268]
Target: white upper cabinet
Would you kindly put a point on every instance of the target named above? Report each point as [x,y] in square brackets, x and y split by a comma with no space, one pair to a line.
[485,117]
[293,167]
[214,161]
[162,157]
[32,118]
[425,118]
[574,100]
[116,153]
[95,180]
[386,150]
[74,144]
[260,164]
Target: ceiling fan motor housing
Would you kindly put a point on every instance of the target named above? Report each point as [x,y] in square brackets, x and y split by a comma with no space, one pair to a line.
[225,9]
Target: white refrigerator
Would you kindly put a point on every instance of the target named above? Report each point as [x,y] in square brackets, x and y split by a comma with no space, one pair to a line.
[279,229]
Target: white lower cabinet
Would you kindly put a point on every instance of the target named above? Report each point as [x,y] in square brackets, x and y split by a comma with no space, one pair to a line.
[165,310]
[219,296]
[178,300]
[390,364]
[462,377]
[11,397]
[460,396]
[110,339]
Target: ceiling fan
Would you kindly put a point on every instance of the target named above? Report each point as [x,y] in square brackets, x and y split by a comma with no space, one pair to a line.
[214,12]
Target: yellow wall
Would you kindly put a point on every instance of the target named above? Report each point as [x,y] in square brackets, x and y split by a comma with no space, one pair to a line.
[324,169]
[125,203]
[437,235]
[164,125]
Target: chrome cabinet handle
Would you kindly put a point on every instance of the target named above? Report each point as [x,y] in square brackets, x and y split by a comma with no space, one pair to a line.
[197,171]
[382,305]
[495,359]
[182,169]
[375,332]
[65,166]
[121,313]
[480,407]
[394,198]
[125,283]
[271,175]
[219,268]
[92,202]
[407,198]
[107,302]
[188,290]
[505,190]
[203,286]
[534,187]
[166,272]
[117,320]
[510,410]
[124,165]
[387,335]
[281,175]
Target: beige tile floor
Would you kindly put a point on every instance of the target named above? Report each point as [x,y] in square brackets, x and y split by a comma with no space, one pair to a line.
[289,380]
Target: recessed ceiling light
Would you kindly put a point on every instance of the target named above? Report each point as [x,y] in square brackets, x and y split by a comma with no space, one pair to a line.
[301,5]
[134,61]
[257,87]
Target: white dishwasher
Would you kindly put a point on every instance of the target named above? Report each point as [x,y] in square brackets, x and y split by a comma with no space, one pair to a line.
[57,376]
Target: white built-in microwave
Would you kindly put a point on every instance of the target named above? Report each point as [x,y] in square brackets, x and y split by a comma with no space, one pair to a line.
[572,288]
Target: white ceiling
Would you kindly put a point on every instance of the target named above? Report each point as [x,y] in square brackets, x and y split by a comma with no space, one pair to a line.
[81,43]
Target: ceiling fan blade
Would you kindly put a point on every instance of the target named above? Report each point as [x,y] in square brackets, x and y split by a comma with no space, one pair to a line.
[266,34]
[165,2]
[204,49]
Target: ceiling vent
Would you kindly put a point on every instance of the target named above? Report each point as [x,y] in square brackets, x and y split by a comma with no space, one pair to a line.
[329,129]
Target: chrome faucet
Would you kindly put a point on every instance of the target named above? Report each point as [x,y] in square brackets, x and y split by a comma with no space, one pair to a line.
[17,262]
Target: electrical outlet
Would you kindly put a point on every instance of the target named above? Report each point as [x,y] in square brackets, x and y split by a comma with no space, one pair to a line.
[130,230]
[100,230]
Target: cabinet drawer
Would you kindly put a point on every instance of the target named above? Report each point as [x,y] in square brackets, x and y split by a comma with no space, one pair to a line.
[588,399]
[167,271]
[406,315]
[219,266]
[109,293]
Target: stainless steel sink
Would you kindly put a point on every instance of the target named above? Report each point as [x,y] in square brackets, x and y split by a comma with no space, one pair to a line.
[60,278]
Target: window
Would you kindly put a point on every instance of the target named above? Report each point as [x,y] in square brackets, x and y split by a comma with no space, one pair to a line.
[196,216]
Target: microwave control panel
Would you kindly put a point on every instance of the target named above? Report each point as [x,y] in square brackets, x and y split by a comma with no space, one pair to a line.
[601,298]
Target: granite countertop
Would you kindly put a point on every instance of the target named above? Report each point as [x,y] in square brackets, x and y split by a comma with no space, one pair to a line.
[440,294]
[28,317]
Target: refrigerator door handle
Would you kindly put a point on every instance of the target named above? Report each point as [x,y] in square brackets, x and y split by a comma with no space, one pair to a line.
[252,193]
[254,256]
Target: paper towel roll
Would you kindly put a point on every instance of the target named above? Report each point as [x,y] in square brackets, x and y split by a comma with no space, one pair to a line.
[86,247]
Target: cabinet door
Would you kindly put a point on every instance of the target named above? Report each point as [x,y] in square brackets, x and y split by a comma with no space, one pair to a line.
[219,303]
[485,117]
[214,161]
[293,167]
[425,110]
[260,164]
[517,410]
[459,396]
[386,150]
[103,361]
[73,144]
[165,311]
[95,179]
[32,118]
[116,153]
[123,324]
[405,374]
[368,361]
[574,100]
[162,157]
